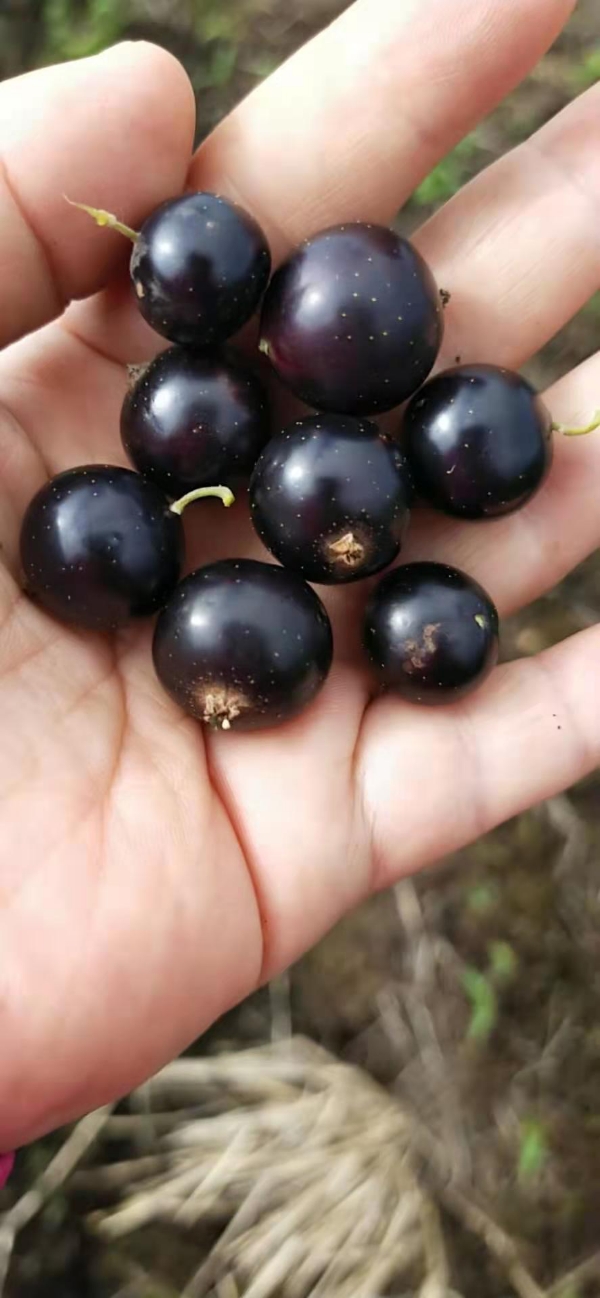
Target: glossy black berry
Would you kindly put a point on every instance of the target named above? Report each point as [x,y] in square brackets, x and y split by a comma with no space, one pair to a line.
[353,322]
[478,440]
[193,419]
[330,498]
[100,546]
[243,644]
[199,266]
[430,632]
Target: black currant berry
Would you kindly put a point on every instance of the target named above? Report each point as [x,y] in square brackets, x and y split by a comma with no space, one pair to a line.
[199,266]
[100,545]
[430,632]
[192,419]
[330,497]
[478,440]
[243,644]
[353,321]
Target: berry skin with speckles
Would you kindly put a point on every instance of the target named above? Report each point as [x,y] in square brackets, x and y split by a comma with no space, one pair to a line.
[479,441]
[192,419]
[330,498]
[353,321]
[430,633]
[199,267]
[100,546]
[243,645]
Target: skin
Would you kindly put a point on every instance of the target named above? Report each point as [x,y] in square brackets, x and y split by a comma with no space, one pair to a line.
[151,876]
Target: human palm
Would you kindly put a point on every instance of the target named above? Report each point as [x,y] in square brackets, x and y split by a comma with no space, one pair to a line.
[151,874]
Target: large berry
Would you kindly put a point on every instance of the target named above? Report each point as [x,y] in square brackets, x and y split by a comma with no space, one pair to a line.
[99,546]
[330,497]
[479,441]
[353,321]
[199,266]
[430,632]
[193,419]
[243,644]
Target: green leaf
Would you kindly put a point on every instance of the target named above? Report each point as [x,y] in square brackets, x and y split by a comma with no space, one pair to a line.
[482,898]
[222,65]
[449,175]
[503,961]
[534,1152]
[592,308]
[587,73]
[73,32]
[484,1004]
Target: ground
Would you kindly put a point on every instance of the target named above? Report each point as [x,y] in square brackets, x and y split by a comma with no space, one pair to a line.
[473,994]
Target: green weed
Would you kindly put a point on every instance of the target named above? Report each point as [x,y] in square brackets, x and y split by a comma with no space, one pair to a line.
[450,174]
[533,1151]
[482,898]
[587,72]
[482,989]
[73,33]
[484,1004]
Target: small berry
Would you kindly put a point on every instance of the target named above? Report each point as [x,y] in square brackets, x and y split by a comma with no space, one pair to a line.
[199,267]
[192,419]
[430,632]
[478,440]
[100,546]
[243,645]
[353,321]
[330,498]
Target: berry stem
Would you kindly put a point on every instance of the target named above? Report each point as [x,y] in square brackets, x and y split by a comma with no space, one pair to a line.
[135,373]
[105,218]
[222,493]
[578,432]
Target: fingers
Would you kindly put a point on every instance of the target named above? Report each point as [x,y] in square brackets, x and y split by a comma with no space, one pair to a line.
[392,88]
[350,124]
[116,131]
[532,731]
[518,247]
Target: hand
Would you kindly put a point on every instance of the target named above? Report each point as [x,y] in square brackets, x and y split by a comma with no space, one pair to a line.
[151,875]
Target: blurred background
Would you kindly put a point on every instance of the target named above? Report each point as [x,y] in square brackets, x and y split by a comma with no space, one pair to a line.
[469,997]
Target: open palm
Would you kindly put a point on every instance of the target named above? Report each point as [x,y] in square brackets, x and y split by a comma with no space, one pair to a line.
[150,875]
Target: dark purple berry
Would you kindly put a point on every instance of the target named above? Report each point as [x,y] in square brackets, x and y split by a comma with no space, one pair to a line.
[330,498]
[199,266]
[478,440]
[430,632]
[243,644]
[99,546]
[193,419]
[353,322]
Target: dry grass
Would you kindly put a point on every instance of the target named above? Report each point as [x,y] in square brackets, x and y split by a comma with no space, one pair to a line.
[314,1180]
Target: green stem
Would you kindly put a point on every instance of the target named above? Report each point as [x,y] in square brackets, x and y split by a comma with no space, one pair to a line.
[578,432]
[105,218]
[222,493]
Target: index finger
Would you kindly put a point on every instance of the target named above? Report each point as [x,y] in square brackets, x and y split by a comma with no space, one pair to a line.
[95,130]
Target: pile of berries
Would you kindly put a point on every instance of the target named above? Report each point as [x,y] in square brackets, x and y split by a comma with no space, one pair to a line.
[352,324]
